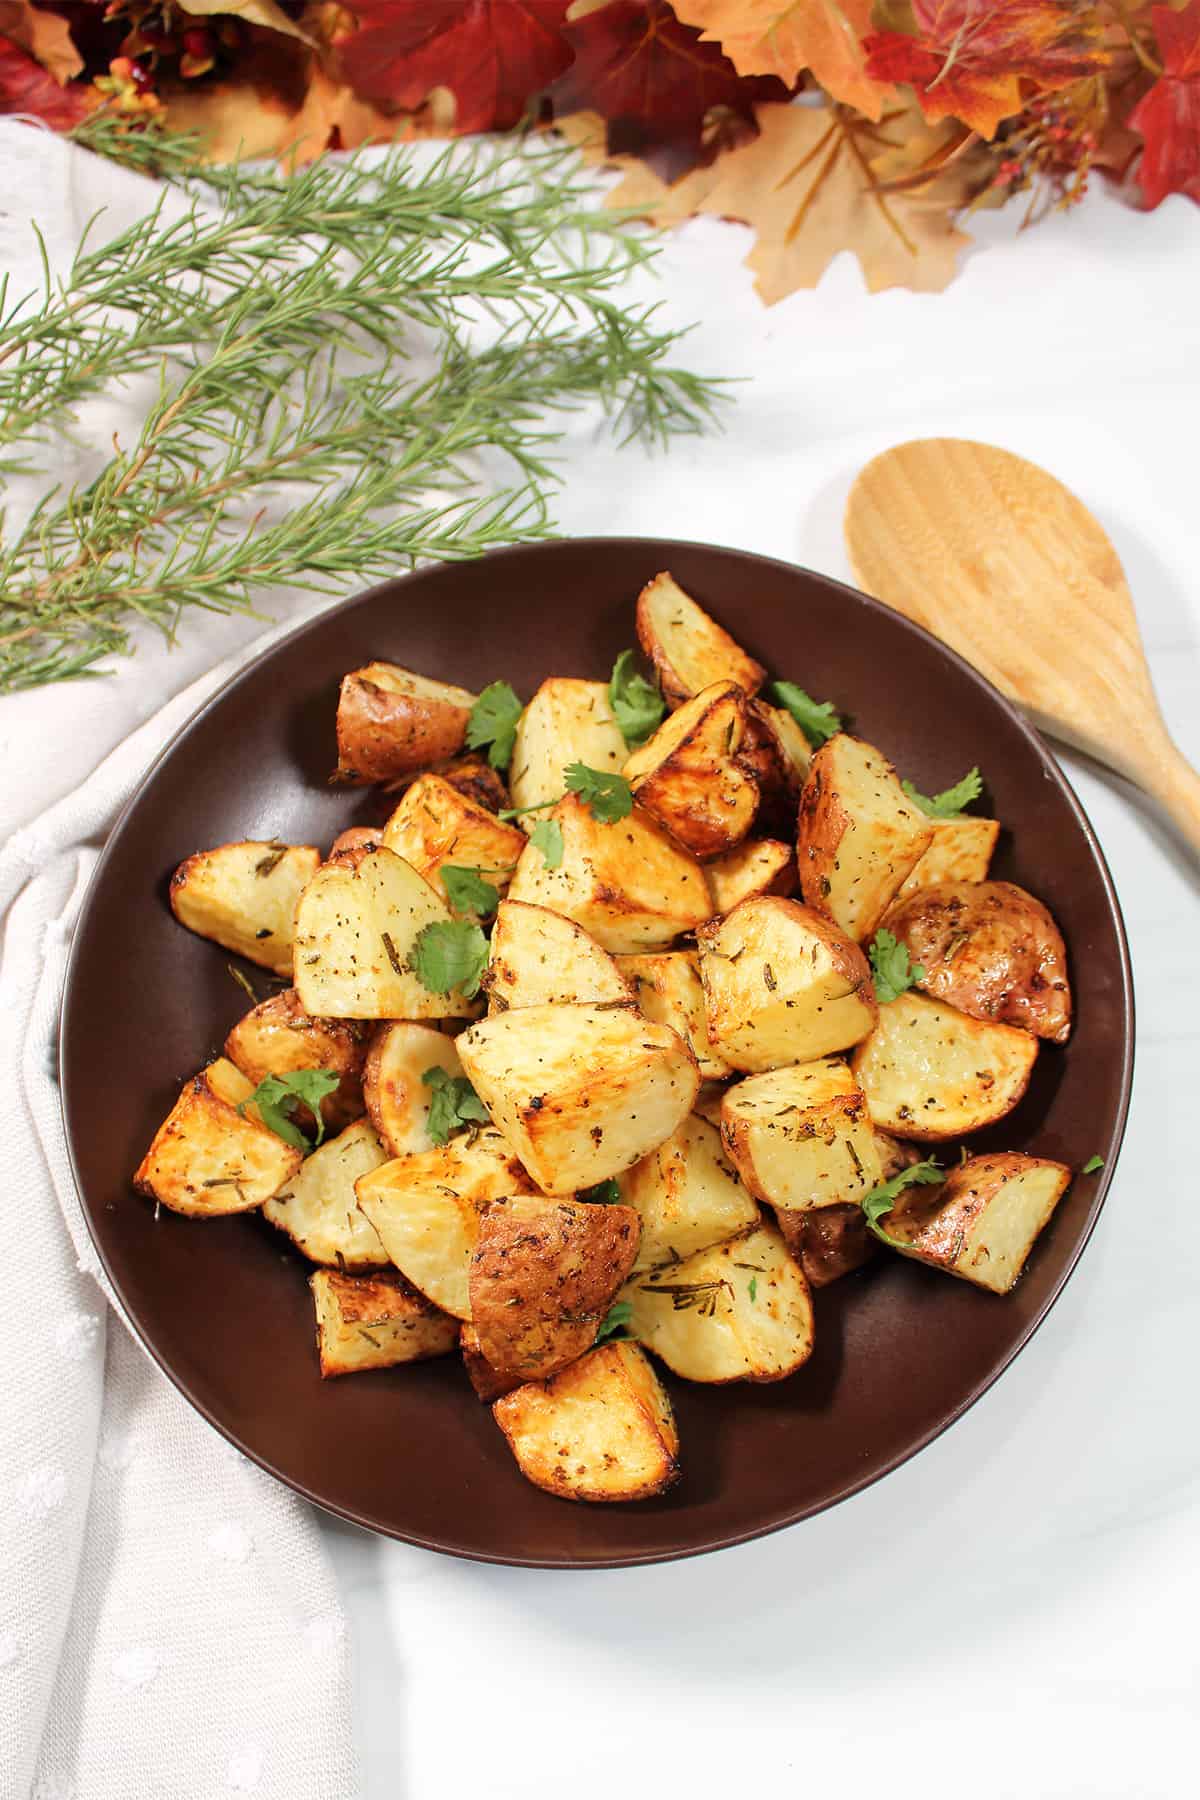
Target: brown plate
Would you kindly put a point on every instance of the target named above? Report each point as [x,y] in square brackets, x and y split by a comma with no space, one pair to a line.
[223,1305]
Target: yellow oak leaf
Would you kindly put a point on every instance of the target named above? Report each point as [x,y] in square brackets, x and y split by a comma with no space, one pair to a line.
[785,37]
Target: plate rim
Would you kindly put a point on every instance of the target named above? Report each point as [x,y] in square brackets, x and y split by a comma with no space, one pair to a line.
[285,639]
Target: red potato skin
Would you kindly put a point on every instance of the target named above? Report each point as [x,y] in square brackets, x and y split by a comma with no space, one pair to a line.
[381,735]
[357,837]
[828,1242]
[489,1383]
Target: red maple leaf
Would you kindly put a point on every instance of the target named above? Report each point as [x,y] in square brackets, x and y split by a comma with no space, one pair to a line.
[969,57]
[25,87]
[1168,117]
[494,55]
[653,80]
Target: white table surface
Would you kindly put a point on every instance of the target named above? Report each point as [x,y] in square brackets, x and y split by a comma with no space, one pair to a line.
[1014,1612]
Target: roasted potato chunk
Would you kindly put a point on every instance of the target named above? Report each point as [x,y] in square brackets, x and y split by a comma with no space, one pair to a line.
[601,1429]
[960,850]
[929,1072]
[472,774]
[688,649]
[688,777]
[543,1276]
[757,867]
[207,1158]
[777,753]
[375,1322]
[782,984]
[318,1208]
[990,949]
[580,1092]
[828,1243]
[567,721]
[277,1037]
[394,1088]
[667,987]
[356,838]
[687,1195]
[243,897]
[859,835]
[539,957]
[426,1208]
[801,1138]
[390,721]
[435,824]
[630,885]
[740,1311]
[355,929]
[488,1383]
[982,1221]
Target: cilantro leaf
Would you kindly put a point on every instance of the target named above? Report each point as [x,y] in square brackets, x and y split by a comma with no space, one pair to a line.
[607,795]
[752,1289]
[493,722]
[616,1321]
[278,1095]
[450,953]
[816,718]
[605,1193]
[892,967]
[455,1104]
[952,801]
[637,705]
[1091,1165]
[547,837]
[467,891]
[883,1197]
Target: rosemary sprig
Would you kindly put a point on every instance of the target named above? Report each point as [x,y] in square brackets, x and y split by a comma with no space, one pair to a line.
[298,438]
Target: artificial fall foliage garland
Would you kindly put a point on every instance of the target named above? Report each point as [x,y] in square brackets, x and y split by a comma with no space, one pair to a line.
[825,125]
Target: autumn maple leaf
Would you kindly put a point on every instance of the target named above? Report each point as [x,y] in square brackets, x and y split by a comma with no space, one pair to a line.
[25,87]
[654,80]
[785,37]
[969,58]
[1168,117]
[493,55]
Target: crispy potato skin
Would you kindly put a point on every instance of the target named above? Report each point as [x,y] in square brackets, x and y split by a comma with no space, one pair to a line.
[776,753]
[992,950]
[356,837]
[277,1036]
[689,649]
[981,1223]
[539,956]
[488,1383]
[931,1072]
[471,774]
[753,868]
[390,722]
[688,776]
[435,824]
[543,1276]
[243,896]
[207,1159]
[831,1242]
[858,834]
[600,1430]
[375,1322]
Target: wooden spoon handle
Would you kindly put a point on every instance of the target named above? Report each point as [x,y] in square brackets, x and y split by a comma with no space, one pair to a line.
[1162,769]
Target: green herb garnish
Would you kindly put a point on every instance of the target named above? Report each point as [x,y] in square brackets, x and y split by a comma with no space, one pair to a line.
[493,722]
[449,953]
[616,1321]
[607,795]
[277,1096]
[454,1105]
[892,967]
[467,891]
[1091,1165]
[952,801]
[883,1197]
[816,718]
[605,1193]
[637,705]
[547,837]
[752,1290]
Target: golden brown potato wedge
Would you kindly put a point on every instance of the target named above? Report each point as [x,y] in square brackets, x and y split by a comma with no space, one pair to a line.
[982,1221]
[356,924]
[390,721]
[435,824]
[687,1195]
[757,867]
[397,1096]
[740,1311]
[630,885]
[543,1276]
[318,1209]
[471,774]
[539,957]
[859,834]
[782,984]
[990,949]
[488,1383]
[829,1242]
[243,897]
[929,1072]
[580,1092]
[426,1208]
[354,839]
[688,777]
[375,1322]
[689,650]
[777,753]
[601,1429]
[567,721]
[801,1138]
[960,850]
[277,1036]
[208,1159]
[667,987]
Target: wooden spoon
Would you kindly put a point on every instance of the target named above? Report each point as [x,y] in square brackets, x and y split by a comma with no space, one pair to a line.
[1002,562]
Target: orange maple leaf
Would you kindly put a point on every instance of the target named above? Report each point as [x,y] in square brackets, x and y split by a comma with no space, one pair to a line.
[1168,117]
[969,59]
[785,37]
[44,35]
